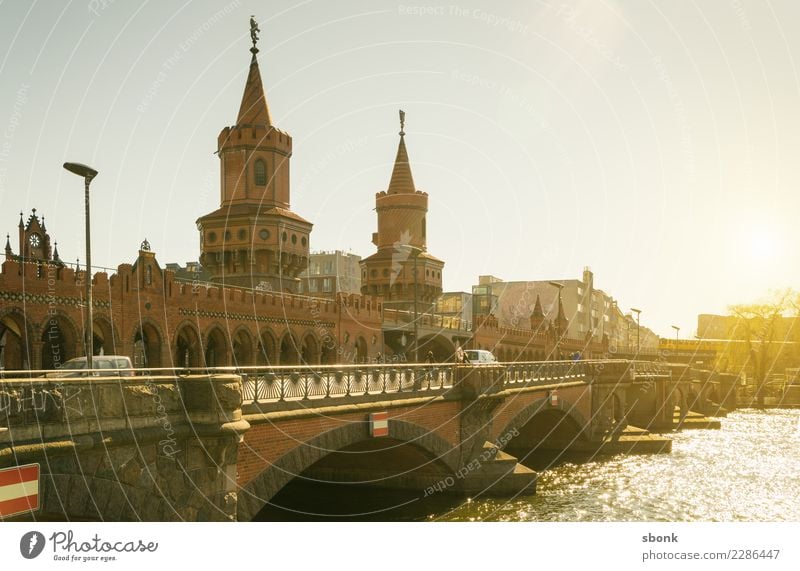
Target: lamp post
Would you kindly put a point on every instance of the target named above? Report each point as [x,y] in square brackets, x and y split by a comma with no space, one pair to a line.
[88,173]
[416,252]
[559,333]
[638,313]
[677,330]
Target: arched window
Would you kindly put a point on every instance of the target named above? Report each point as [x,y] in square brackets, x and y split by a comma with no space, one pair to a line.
[260,173]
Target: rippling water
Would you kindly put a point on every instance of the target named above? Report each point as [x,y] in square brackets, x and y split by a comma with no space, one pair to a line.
[747,471]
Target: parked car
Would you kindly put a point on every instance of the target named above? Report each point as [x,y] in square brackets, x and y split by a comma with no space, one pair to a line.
[102,366]
[480,356]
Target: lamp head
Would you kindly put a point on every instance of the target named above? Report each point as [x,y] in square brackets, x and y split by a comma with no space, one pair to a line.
[80,169]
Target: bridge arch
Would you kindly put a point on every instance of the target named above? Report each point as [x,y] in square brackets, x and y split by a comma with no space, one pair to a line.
[257,493]
[543,431]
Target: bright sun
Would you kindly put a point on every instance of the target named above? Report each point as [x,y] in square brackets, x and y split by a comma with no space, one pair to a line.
[762,245]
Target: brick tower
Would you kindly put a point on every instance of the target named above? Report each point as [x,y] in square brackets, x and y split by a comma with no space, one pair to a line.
[402,243]
[254,239]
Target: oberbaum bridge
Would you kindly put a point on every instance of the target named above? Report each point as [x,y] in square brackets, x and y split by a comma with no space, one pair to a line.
[241,385]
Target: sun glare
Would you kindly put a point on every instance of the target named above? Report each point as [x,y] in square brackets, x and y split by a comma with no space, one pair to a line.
[762,245]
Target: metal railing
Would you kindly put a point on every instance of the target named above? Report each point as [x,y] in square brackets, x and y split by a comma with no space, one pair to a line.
[268,384]
[283,384]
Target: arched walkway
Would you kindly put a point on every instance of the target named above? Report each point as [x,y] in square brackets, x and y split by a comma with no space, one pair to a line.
[243,348]
[267,349]
[290,350]
[15,334]
[103,336]
[309,351]
[216,350]
[59,341]
[188,350]
[441,347]
[147,347]
[361,350]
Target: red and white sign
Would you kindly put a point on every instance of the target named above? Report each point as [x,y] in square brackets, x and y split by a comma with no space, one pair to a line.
[19,490]
[379,424]
[553,398]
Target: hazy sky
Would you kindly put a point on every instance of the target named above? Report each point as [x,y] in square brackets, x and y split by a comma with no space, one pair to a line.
[656,142]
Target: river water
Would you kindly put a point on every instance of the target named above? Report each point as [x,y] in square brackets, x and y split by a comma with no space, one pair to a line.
[749,470]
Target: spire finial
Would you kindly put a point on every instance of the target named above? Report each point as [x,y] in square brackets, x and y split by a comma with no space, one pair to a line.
[402,122]
[254,31]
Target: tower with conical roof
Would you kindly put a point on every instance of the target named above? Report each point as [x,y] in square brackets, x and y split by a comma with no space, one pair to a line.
[254,239]
[401,240]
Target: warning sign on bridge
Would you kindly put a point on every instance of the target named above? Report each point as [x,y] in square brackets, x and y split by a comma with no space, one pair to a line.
[19,490]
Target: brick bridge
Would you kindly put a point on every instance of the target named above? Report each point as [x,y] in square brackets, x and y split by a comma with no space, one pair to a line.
[176,445]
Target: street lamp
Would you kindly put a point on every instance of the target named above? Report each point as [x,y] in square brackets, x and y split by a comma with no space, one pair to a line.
[417,252]
[638,313]
[88,173]
[559,333]
[677,330]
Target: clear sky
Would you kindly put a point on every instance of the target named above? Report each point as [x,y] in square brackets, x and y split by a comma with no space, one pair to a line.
[655,141]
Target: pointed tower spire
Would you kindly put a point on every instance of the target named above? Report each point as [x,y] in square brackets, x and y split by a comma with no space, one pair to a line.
[21,223]
[402,180]
[254,109]
[55,253]
[537,317]
[9,252]
[561,320]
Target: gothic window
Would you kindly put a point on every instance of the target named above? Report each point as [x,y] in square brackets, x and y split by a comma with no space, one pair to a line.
[148,275]
[260,173]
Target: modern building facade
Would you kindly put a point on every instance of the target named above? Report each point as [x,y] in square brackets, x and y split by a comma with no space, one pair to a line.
[330,273]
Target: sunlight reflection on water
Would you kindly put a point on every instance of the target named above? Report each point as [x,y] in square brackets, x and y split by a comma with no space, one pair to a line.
[747,471]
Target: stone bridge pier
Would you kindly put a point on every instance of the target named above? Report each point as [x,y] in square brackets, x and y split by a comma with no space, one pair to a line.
[126,448]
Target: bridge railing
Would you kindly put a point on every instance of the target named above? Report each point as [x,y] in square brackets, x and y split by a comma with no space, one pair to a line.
[283,384]
[278,384]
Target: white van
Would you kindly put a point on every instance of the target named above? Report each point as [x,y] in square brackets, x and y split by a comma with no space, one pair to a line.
[480,356]
[102,366]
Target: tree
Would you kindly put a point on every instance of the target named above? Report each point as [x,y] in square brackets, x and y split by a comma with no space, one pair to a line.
[762,329]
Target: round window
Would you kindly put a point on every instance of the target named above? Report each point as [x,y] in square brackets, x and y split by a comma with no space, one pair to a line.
[303,241]
[264,234]
[242,234]
[283,237]
[212,237]
[385,274]
[227,237]
[294,241]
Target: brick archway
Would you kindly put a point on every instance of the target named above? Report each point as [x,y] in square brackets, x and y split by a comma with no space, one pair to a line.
[255,494]
[61,340]
[563,407]
[15,341]
[187,346]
